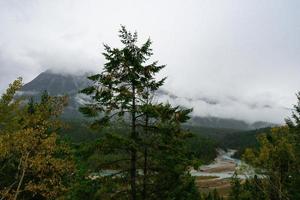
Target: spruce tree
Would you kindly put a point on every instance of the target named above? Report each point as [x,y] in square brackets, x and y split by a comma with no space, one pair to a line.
[122,88]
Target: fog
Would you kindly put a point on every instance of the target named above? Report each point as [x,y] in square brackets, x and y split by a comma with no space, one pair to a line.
[241,55]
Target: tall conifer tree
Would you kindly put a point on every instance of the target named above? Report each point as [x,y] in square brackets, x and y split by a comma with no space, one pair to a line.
[122,88]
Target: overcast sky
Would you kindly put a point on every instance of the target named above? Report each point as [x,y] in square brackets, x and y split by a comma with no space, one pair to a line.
[244,55]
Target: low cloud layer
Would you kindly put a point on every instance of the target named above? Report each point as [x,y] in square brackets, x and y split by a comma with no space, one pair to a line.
[249,110]
[242,55]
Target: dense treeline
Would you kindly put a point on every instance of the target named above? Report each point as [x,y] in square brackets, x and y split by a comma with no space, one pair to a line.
[226,139]
[240,141]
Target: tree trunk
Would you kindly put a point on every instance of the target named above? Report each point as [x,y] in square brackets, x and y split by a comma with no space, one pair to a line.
[133,150]
[145,173]
[145,170]
[22,177]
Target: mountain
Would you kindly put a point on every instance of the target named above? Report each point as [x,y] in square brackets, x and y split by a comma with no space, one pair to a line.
[216,122]
[67,84]
[59,84]
[56,84]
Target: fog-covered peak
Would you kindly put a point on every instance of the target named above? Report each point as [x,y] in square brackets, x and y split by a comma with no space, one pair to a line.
[57,83]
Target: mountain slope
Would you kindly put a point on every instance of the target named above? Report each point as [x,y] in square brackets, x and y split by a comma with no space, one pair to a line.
[59,84]
[216,122]
[56,84]
[67,84]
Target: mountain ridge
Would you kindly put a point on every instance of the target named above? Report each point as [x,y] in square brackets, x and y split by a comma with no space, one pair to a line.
[68,84]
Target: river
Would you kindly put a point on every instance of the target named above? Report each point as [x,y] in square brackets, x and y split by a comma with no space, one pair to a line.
[223,166]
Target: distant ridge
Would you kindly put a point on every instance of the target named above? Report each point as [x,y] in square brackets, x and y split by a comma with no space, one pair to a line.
[216,122]
[68,84]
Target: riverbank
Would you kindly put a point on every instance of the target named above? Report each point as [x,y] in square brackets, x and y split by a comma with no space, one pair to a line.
[217,174]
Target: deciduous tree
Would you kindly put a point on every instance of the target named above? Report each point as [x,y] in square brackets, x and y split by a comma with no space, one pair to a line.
[34,164]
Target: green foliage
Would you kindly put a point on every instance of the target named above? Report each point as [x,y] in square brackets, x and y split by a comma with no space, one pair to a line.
[201,149]
[242,140]
[169,158]
[236,189]
[77,131]
[83,187]
[251,189]
[125,77]
[226,139]
[214,195]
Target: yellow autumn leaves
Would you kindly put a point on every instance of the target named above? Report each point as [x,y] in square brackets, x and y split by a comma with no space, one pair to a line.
[34,163]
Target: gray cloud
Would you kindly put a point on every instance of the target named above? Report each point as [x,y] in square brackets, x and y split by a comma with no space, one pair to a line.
[243,55]
[252,110]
